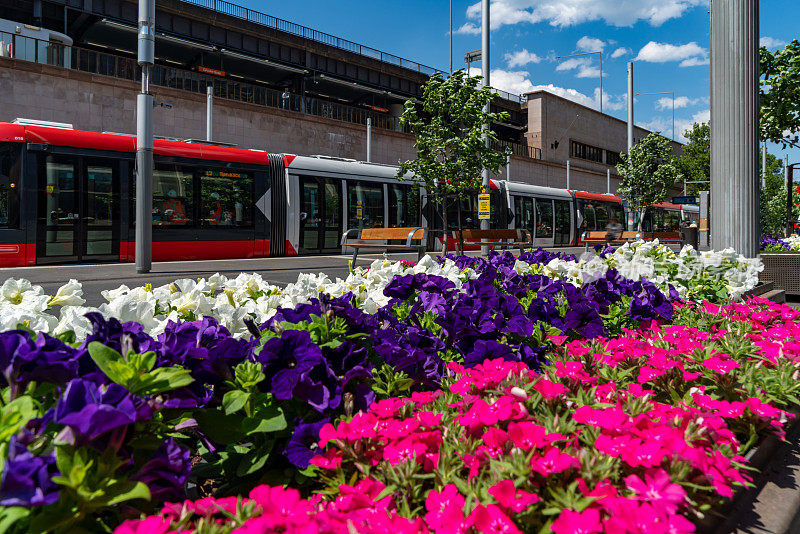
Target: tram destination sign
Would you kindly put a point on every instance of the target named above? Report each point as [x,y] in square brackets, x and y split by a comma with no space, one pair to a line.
[684,200]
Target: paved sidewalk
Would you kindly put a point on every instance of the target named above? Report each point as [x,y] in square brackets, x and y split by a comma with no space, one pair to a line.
[278,271]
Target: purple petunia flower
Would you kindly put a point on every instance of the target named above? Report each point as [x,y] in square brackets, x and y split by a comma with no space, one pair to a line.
[166,473]
[92,412]
[23,360]
[27,479]
[304,443]
[286,359]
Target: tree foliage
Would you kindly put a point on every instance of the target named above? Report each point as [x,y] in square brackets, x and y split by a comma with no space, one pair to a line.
[780,95]
[648,173]
[695,161]
[448,126]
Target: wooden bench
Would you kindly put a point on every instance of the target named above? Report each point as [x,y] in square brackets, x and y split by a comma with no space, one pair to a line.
[599,238]
[414,239]
[506,238]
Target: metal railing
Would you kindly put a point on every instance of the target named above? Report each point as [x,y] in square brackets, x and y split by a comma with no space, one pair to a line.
[518,149]
[240,12]
[95,62]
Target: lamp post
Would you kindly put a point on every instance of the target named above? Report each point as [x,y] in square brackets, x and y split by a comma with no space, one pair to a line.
[451,37]
[673,106]
[144,139]
[485,68]
[601,70]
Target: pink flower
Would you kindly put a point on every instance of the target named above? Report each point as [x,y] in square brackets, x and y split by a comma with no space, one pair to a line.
[150,525]
[490,519]
[403,451]
[549,390]
[719,365]
[511,498]
[553,461]
[528,435]
[571,522]
[446,510]
[658,489]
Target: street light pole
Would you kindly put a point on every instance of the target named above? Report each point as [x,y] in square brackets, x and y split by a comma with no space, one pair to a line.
[673,106]
[601,70]
[630,106]
[451,36]
[485,68]
[144,139]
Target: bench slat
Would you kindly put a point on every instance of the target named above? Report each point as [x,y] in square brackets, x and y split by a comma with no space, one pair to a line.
[390,233]
[489,234]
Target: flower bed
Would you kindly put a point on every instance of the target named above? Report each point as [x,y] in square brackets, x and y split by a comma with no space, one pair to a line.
[479,393]
[772,244]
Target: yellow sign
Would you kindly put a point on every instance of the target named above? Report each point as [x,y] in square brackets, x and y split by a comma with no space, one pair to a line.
[49,189]
[359,210]
[484,207]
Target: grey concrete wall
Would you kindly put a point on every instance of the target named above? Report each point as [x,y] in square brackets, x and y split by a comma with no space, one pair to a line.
[551,118]
[101,103]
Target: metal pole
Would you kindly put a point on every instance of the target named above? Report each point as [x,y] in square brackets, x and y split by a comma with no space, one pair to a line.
[608,181]
[451,36]
[789,202]
[601,81]
[369,139]
[764,167]
[734,125]
[568,174]
[485,68]
[209,112]
[508,168]
[673,116]
[785,169]
[144,139]
[630,106]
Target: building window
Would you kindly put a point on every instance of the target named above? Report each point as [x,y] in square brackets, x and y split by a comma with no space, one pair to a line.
[583,151]
[227,198]
[613,158]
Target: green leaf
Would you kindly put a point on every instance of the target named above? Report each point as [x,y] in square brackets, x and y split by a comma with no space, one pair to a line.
[253,461]
[233,401]
[111,363]
[161,380]
[266,419]
[126,490]
[11,516]
[220,427]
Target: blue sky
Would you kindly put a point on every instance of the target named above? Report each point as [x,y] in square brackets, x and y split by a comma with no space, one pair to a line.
[667,39]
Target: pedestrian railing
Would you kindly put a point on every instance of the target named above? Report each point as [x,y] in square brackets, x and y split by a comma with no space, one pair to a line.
[117,66]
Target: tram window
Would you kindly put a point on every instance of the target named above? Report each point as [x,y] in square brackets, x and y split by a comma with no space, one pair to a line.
[227,198]
[173,191]
[601,215]
[403,206]
[618,212]
[523,211]
[589,224]
[364,205]
[9,185]
[544,218]
[672,221]
[563,222]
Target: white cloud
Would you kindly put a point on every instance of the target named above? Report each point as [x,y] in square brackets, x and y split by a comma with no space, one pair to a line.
[619,52]
[520,58]
[664,124]
[680,102]
[689,54]
[583,66]
[563,13]
[771,42]
[590,44]
[515,82]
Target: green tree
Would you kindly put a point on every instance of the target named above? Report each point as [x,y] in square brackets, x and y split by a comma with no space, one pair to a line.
[648,173]
[694,163]
[780,95]
[448,126]
[773,199]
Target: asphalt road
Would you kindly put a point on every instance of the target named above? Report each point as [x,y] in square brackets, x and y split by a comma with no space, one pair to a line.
[100,276]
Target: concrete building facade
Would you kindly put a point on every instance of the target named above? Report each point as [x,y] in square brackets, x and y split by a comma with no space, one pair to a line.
[104,103]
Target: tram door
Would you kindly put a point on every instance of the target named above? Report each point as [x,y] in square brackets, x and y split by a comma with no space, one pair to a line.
[78,216]
[320,215]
